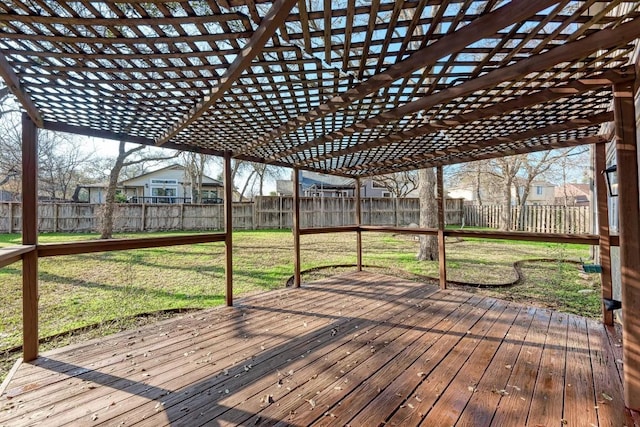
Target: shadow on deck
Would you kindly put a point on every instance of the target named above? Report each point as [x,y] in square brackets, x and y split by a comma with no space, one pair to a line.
[358,349]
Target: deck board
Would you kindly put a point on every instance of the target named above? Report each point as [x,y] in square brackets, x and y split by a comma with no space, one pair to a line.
[359,349]
[546,406]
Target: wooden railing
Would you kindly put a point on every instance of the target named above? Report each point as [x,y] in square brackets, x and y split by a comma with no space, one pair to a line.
[12,254]
[580,239]
[89,246]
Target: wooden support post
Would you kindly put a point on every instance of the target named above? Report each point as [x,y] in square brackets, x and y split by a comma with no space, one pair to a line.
[441,247]
[296,227]
[228,228]
[29,237]
[358,223]
[629,211]
[603,229]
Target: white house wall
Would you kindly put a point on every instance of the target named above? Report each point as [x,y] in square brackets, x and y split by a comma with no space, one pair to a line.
[183,186]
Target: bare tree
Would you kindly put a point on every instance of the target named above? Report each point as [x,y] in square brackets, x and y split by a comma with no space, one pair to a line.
[259,173]
[121,162]
[60,157]
[399,184]
[194,164]
[11,154]
[507,168]
[61,164]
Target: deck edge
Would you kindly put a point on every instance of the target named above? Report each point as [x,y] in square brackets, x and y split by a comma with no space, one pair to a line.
[10,375]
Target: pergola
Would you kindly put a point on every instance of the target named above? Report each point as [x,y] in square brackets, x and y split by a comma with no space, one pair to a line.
[350,88]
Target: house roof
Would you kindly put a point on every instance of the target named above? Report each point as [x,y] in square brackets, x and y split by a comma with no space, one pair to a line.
[354,89]
[318,180]
[573,190]
[535,183]
[170,167]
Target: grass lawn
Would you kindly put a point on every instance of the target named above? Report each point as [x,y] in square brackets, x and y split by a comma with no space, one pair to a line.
[111,288]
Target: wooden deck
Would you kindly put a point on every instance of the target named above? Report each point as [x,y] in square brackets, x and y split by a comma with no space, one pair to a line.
[357,349]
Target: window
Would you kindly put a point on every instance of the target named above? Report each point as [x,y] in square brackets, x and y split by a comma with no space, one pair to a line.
[163,192]
[378,185]
[83,195]
[539,190]
[209,194]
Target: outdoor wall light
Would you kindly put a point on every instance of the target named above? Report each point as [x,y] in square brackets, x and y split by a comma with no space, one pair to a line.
[611,304]
[611,173]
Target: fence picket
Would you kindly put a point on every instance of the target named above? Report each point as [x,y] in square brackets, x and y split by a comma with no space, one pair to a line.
[275,212]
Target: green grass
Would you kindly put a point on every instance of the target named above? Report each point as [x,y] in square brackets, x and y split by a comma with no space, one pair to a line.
[103,288]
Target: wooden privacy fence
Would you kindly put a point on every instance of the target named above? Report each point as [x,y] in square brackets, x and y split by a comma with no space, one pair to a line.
[276,212]
[537,219]
[264,212]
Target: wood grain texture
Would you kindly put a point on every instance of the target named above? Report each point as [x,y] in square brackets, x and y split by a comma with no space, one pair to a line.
[30,288]
[358,349]
[629,209]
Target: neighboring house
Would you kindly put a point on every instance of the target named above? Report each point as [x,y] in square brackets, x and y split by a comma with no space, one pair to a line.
[466,194]
[170,184]
[90,193]
[8,196]
[540,193]
[573,194]
[314,184]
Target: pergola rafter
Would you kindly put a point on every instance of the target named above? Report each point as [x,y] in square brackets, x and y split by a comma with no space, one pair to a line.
[568,52]
[13,83]
[270,23]
[574,87]
[418,162]
[482,27]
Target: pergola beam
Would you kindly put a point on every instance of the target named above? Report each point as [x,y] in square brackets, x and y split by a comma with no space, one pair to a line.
[572,88]
[602,39]
[604,117]
[472,157]
[13,83]
[82,130]
[481,27]
[129,22]
[270,23]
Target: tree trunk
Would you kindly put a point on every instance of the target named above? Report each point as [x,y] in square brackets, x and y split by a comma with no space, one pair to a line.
[106,226]
[261,183]
[428,214]
[202,159]
[478,184]
[505,220]
[246,184]
[523,204]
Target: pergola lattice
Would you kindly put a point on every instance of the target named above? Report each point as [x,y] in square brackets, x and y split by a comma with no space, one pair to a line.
[347,87]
